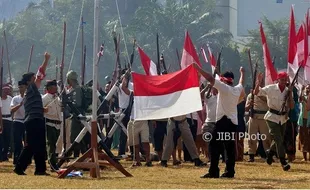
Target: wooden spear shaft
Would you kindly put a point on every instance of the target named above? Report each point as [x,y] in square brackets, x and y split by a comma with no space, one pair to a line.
[7,56]
[30,57]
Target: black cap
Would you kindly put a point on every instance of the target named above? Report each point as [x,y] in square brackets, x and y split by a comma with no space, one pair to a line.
[22,82]
[27,76]
[51,83]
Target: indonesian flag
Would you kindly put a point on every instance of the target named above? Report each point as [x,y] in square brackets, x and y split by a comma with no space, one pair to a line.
[270,72]
[306,48]
[189,54]
[164,96]
[148,65]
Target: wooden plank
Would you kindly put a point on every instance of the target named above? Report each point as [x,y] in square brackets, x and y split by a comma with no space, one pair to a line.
[83,165]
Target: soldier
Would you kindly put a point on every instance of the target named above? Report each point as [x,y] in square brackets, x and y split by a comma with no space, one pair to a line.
[52,105]
[7,121]
[257,124]
[18,111]
[76,126]
[275,117]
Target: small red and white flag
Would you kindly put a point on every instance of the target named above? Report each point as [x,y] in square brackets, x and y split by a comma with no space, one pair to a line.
[189,54]
[212,59]
[292,46]
[164,96]
[149,66]
[270,71]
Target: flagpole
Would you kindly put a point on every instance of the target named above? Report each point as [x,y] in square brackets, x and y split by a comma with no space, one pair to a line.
[95,171]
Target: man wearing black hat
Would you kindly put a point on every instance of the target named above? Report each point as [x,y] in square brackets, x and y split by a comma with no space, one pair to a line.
[18,111]
[52,106]
[35,143]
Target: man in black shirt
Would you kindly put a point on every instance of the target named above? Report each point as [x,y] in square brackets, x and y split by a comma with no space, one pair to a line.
[35,142]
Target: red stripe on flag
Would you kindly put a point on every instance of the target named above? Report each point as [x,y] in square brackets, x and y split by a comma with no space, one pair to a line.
[292,40]
[145,61]
[165,84]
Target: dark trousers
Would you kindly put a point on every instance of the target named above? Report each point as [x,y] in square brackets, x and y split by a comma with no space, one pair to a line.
[193,127]
[290,137]
[35,145]
[159,134]
[76,128]
[6,138]
[123,137]
[217,144]
[19,136]
[109,141]
[52,137]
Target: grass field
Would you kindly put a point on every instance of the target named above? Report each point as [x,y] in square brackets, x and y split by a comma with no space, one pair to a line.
[248,175]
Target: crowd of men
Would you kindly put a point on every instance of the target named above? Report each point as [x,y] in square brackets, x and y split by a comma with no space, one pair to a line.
[32,124]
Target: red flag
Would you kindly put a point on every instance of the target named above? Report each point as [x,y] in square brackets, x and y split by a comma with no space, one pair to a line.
[189,54]
[292,43]
[148,65]
[270,72]
[212,58]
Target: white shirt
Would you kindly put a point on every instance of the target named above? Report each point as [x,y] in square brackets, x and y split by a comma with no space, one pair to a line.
[19,115]
[6,108]
[123,98]
[275,99]
[211,105]
[53,105]
[227,101]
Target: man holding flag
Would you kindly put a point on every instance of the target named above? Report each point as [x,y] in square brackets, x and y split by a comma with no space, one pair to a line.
[226,121]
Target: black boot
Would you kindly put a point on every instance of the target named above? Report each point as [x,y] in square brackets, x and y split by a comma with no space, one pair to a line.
[284,164]
[270,155]
[251,158]
[198,162]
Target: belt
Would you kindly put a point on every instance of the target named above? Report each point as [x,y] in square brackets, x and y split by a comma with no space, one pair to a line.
[52,121]
[6,116]
[277,112]
[259,112]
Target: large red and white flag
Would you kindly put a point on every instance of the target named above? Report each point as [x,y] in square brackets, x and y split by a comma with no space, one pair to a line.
[189,54]
[149,66]
[270,72]
[164,96]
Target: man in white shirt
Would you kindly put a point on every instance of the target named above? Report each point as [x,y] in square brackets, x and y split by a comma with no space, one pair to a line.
[7,121]
[123,100]
[53,117]
[226,121]
[136,129]
[18,111]
[275,117]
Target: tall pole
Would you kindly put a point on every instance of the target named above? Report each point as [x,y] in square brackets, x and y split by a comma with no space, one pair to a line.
[82,51]
[95,172]
[7,56]
[30,57]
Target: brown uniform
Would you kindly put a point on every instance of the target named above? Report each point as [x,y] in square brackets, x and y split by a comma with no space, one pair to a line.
[257,124]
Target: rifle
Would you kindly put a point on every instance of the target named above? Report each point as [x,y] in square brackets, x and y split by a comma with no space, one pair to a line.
[132,56]
[253,87]
[83,66]
[251,65]
[216,71]
[162,61]
[287,94]
[83,52]
[30,57]
[158,58]
[56,68]
[7,56]
[1,70]
[178,56]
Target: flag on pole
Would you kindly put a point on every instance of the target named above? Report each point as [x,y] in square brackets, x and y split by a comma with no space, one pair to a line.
[189,54]
[212,58]
[164,96]
[149,66]
[292,47]
[270,72]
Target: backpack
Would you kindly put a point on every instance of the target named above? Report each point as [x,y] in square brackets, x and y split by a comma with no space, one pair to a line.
[87,99]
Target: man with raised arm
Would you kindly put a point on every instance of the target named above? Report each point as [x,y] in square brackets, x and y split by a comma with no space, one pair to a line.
[35,142]
[226,121]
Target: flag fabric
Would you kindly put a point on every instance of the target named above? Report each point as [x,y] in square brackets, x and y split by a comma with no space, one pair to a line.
[292,47]
[270,72]
[165,96]
[189,54]
[306,48]
[212,58]
[149,66]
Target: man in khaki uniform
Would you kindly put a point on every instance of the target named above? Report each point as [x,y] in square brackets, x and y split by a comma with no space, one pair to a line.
[257,124]
[275,117]
[181,123]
